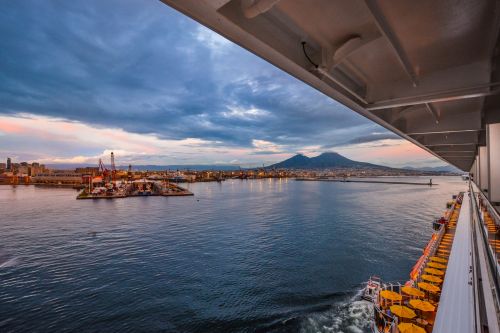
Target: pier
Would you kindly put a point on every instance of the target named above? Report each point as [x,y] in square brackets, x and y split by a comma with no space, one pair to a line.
[138,188]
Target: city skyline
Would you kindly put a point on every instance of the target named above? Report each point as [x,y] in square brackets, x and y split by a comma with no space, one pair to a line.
[166,91]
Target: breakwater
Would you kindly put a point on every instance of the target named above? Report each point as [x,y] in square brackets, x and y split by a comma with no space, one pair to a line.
[430,183]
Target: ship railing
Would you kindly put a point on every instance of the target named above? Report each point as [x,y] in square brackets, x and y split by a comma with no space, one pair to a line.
[487,211]
[482,210]
[434,247]
[392,286]
[486,271]
[440,233]
[452,208]
[384,323]
[395,287]
[430,250]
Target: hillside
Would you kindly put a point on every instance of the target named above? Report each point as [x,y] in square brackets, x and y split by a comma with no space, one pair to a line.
[444,168]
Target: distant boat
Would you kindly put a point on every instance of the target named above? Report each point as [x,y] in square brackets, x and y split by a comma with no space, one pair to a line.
[178,179]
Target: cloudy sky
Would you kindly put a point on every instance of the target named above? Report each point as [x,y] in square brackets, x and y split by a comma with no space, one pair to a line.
[79,79]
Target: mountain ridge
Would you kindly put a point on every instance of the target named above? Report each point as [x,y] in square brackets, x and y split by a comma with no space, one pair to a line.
[323,161]
[444,168]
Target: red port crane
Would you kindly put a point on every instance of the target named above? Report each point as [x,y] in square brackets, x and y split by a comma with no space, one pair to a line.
[103,170]
[108,175]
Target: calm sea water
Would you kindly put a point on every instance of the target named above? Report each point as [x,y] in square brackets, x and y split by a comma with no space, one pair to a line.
[240,256]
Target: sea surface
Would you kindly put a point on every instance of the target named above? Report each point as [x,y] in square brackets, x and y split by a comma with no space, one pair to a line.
[239,256]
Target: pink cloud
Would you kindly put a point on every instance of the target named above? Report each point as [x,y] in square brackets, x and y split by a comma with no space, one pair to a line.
[11,128]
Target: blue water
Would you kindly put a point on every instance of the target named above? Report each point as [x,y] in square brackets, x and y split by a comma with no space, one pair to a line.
[240,256]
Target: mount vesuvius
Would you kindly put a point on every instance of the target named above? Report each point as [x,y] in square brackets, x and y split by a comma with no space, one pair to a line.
[323,161]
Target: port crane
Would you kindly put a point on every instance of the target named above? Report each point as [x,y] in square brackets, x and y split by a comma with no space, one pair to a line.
[107,174]
[104,171]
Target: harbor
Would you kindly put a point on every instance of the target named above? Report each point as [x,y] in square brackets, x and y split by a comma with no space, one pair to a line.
[106,185]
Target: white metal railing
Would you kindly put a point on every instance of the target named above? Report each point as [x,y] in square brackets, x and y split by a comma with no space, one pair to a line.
[492,250]
[434,247]
[388,323]
[481,202]
[485,285]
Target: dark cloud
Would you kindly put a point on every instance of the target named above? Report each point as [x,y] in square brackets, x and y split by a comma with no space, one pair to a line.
[141,66]
[366,139]
[266,152]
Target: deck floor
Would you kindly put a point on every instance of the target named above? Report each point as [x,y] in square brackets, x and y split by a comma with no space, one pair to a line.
[456,305]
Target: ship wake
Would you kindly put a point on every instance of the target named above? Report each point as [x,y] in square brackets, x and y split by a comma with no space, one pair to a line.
[7,262]
[350,315]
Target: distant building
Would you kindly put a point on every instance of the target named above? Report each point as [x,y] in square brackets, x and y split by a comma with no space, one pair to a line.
[3,167]
[6,178]
[23,169]
[58,177]
[38,168]
[9,164]
[88,171]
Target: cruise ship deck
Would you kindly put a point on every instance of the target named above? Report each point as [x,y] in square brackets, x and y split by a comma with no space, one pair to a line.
[469,297]
[452,287]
